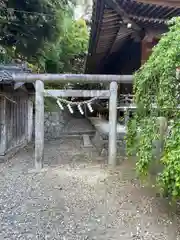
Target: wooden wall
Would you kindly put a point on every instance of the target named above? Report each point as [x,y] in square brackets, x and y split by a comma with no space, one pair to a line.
[16,120]
[2,125]
[147,45]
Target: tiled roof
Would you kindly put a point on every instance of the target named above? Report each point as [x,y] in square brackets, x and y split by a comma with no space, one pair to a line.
[6,72]
[6,75]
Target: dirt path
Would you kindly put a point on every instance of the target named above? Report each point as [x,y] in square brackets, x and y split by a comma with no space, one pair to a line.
[76,198]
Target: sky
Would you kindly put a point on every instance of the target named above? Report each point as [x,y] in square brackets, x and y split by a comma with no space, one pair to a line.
[83,8]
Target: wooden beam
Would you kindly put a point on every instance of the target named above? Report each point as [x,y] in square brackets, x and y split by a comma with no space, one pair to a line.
[98,20]
[114,5]
[124,32]
[124,36]
[153,34]
[147,19]
[3,126]
[73,78]
[169,3]
[121,40]
[113,124]
[39,125]
[103,94]
[97,17]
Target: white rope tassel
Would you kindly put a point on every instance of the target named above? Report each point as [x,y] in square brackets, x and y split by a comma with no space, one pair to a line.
[60,105]
[80,109]
[70,108]
[90,107]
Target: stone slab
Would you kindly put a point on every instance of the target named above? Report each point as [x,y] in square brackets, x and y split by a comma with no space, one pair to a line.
[87,141]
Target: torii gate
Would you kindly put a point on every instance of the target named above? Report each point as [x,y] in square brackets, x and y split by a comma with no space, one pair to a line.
[40,79]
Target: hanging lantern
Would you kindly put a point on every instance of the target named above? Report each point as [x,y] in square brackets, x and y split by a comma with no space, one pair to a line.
[80,109]
[60,105]
[90,107]
[70,108]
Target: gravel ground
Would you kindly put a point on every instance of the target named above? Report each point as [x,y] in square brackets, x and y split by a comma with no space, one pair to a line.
[77,197]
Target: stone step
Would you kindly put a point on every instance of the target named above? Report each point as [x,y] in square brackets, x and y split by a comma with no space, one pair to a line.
[79,133]
[87,141]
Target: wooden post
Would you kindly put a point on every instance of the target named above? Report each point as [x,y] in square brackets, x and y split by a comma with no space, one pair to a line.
[39,125]
[30,120]
[113,124]
[3,126]
[163,127]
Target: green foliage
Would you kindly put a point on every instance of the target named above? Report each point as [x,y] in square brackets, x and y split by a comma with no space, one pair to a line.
[156,83]
[6,55]
[67,55]
[169,179]
[61,50]
[27,24]
[70,48]
[43,34]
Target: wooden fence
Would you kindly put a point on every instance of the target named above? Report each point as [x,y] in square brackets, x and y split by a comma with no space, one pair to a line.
[15,121]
